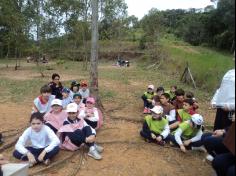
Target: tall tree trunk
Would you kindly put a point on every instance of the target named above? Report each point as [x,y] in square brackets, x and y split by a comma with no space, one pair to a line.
[94,54]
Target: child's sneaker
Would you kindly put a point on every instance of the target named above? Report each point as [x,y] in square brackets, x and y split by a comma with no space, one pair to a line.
[145,111]
[94,153]
[209,158]
[201,149]
[99,148]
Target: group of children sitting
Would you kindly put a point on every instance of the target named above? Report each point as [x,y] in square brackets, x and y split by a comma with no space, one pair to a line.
[172,117]
[61,118]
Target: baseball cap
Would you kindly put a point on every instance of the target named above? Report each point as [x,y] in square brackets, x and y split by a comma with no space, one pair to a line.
[56,102]
[72,107]
[157,110]
[151,87]
[65,90]
[90,100]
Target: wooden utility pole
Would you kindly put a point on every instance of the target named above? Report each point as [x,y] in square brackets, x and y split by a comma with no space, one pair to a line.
[94,52]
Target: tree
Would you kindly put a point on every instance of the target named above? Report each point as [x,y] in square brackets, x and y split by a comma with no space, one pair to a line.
[94,52]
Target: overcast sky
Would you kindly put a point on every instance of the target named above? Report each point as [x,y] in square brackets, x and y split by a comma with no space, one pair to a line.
[141,7]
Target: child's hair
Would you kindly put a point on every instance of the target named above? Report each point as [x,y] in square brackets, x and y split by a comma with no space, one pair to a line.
[189,95]
[160,89]
[180,92]
[174,86]
[37,116]
[166,95]
[46,89]
[54,75]
[77,95]
[73,84]
[189,101]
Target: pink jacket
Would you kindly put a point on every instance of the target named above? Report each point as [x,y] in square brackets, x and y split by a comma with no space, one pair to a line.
[67,144]
[56,120]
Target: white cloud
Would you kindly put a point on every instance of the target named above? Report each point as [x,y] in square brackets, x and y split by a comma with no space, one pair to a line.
[141,7]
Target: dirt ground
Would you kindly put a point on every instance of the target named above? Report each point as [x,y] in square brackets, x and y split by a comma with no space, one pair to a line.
[126,154]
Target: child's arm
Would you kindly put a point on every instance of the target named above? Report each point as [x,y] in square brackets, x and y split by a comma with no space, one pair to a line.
[166,132]
[172,116]
[178,139]
[20,145]
[82,114]
[197,137]
[95,116]
[54,140]
[174,125]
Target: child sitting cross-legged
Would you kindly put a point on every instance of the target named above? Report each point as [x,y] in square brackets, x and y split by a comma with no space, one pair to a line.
[76,132]
[44,142]
[155,128]
[148,99]
[189,134]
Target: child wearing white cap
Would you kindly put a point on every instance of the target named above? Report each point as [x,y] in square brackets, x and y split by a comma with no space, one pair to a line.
[189,134]
[76,131]
[148,99]
[56,117]
[155,128]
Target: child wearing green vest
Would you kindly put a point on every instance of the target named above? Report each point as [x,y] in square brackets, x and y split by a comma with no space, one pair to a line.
[148,99]
[171,92]
[189,134]
[184,114]
[155,128]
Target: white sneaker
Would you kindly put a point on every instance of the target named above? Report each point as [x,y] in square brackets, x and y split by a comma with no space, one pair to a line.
[201,149]
[98,148]
[94,153]
[209,158]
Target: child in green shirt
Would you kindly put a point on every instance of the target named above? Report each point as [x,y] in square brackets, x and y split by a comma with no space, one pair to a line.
[148,99]
[189,134]
[155,128]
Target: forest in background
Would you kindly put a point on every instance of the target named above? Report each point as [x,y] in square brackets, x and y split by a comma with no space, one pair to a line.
[62,29]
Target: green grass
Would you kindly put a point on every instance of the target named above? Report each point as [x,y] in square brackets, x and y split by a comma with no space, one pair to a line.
[207,65]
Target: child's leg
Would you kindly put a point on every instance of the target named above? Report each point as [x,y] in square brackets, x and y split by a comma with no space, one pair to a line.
[145,102]
[214,145]
[171,138]
[52,127]
[35,152]
[88,132]
[51,154]
[77,137]
[91,123]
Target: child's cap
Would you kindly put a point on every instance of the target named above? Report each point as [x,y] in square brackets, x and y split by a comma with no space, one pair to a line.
[65,90]
[151,87]
[157,110]
[77,95]
[84,83]
[72,107]
[90,100]
[56,102]
[197,119]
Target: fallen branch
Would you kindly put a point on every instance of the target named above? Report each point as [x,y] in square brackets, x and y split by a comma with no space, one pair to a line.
[126,119]
[77,168]
[9,145]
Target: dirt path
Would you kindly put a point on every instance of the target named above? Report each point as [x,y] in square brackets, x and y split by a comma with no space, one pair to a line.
[126,154]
